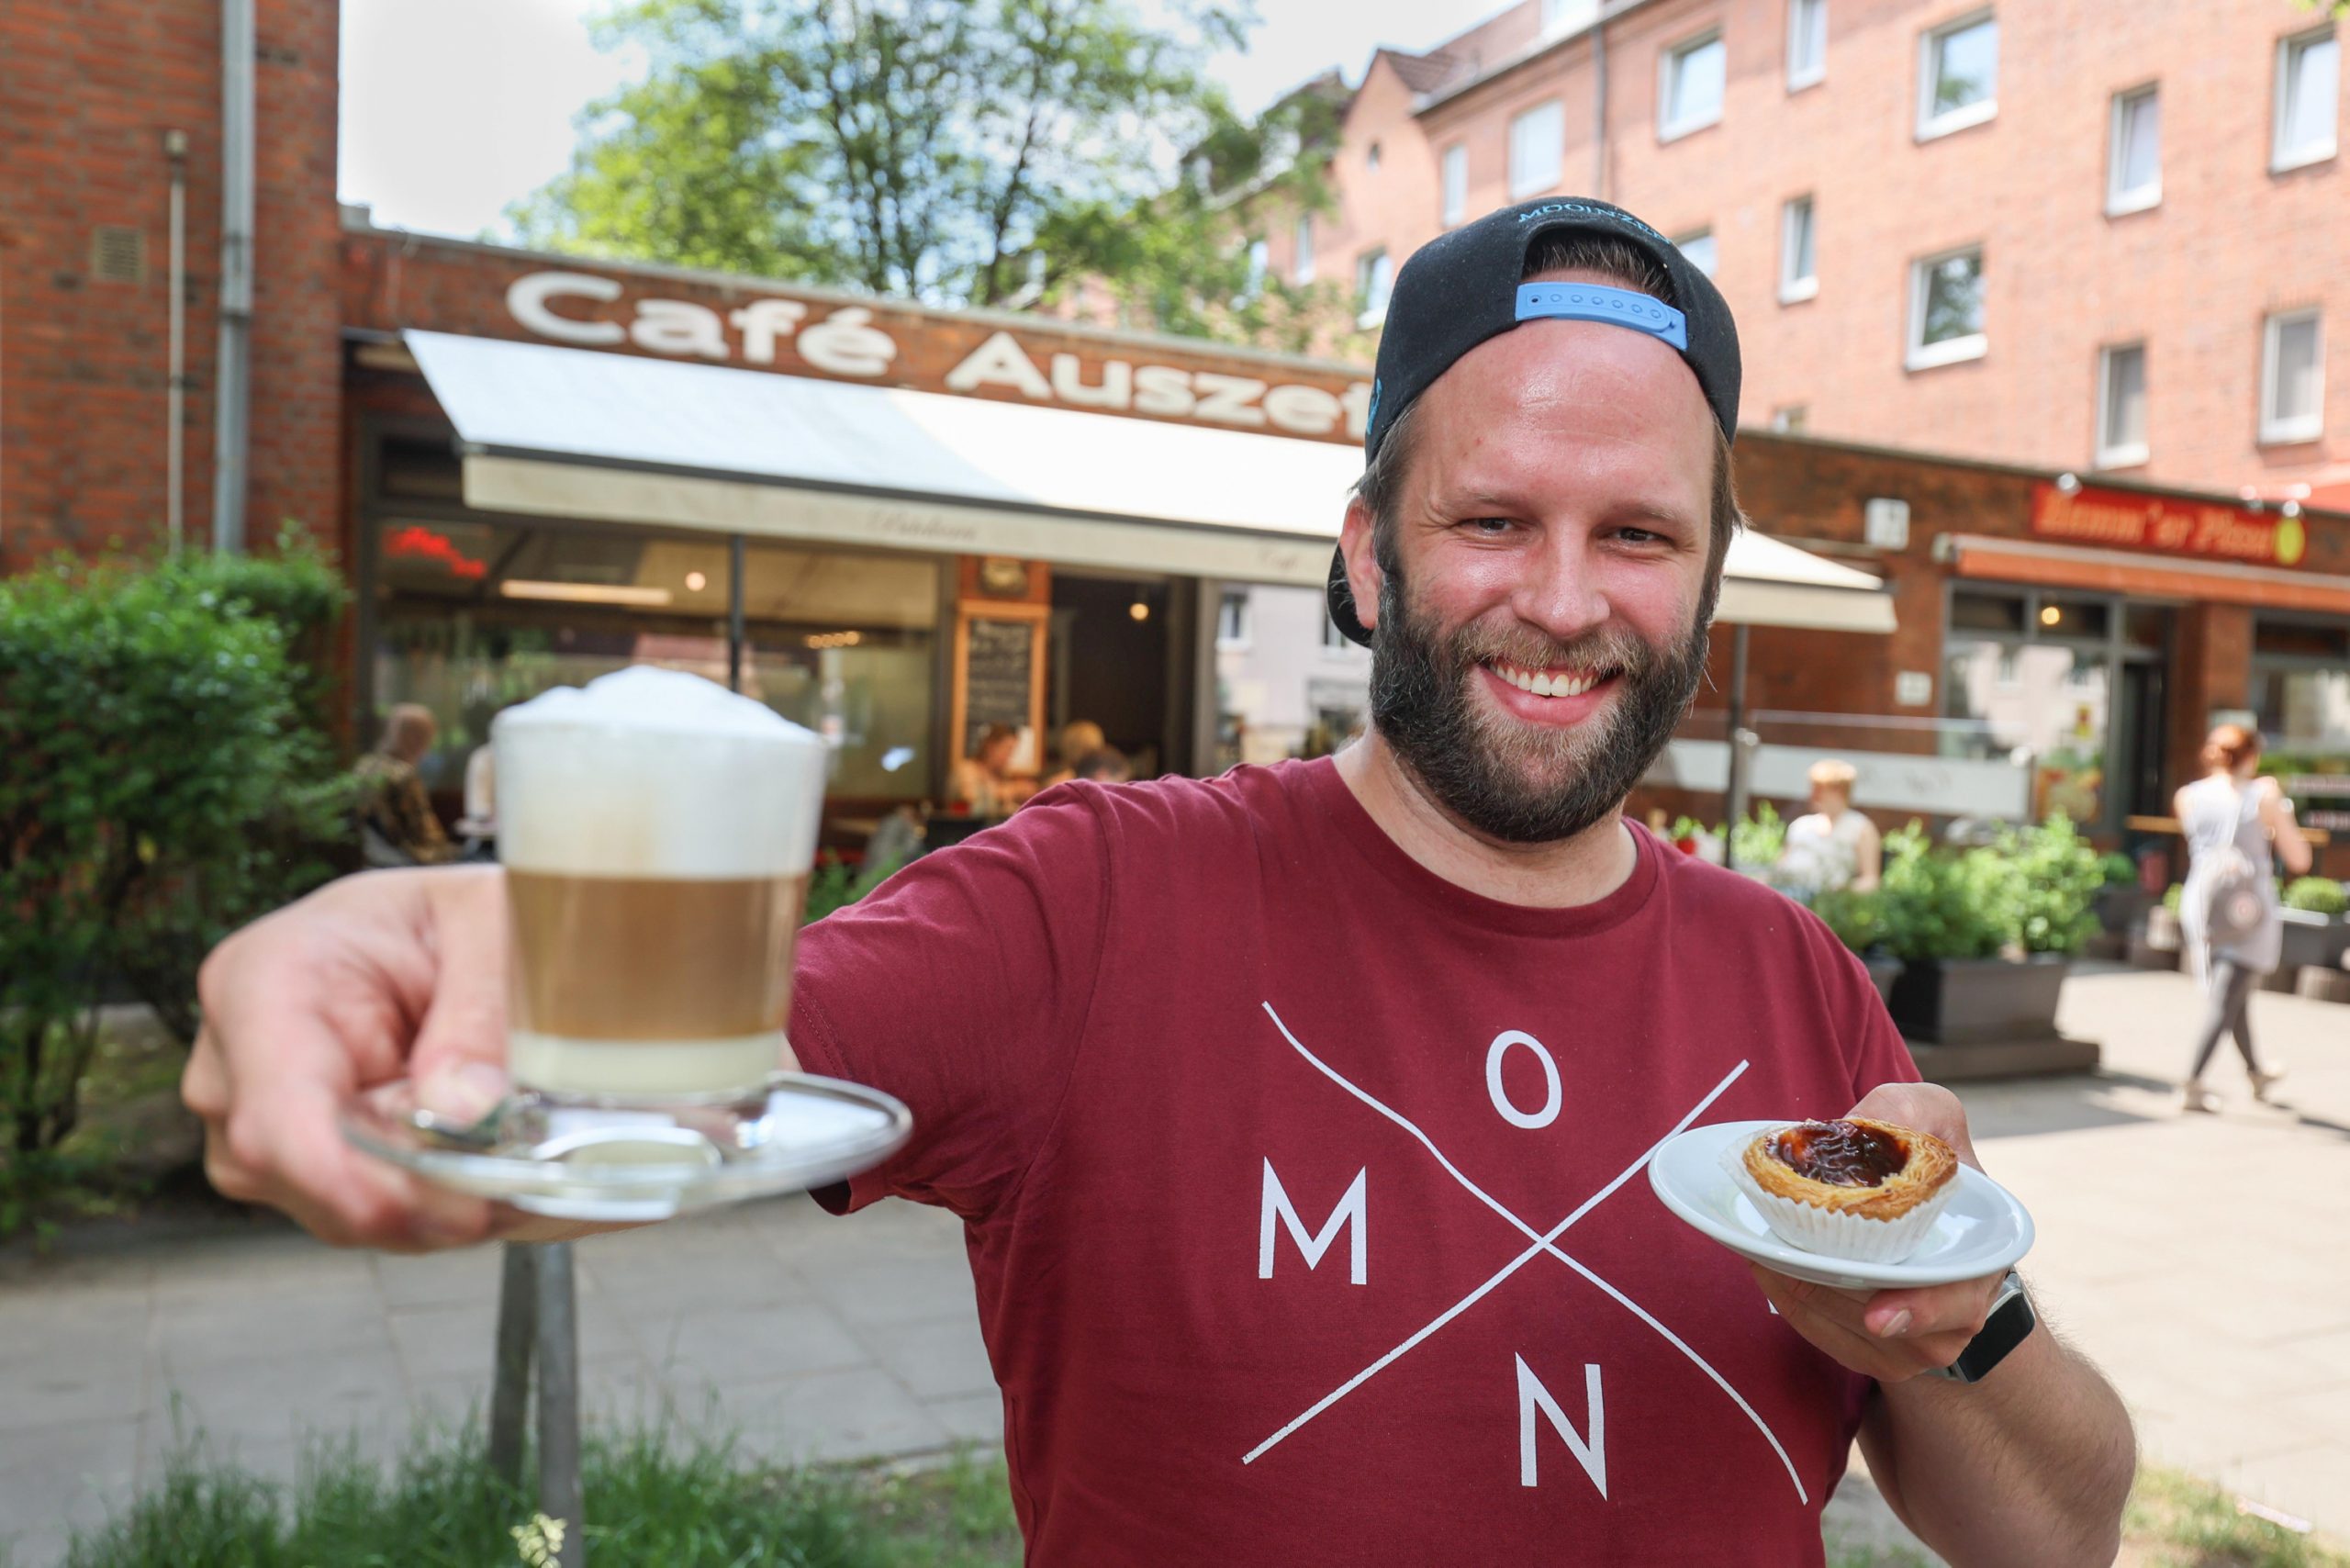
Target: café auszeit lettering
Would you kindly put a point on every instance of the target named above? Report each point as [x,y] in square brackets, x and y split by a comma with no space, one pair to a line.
[2209,529]
[844,340]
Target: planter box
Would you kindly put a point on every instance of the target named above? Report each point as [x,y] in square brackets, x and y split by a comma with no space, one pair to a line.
[1970,1001]
[1884,972]
[2121,905]
[2315,939]
[2322,985]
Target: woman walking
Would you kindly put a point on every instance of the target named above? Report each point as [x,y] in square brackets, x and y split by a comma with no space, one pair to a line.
[2227,913]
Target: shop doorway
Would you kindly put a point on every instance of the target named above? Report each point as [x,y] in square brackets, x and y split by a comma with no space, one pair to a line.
[2141,735]
[1113,661]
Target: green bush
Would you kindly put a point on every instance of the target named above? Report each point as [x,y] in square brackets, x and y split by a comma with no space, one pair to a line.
[163,780]
[1946,906]
[2172,894]
[2057,876]
[2319,895]
[2118,869]
[1758,838]
[1858,918]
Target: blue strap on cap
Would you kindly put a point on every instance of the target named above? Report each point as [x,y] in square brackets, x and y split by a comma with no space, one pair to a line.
[1597,302]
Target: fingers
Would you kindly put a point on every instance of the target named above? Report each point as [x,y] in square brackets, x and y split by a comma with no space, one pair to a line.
[301,1011]
[1887,1335]
[1929,1107]
[459,1059]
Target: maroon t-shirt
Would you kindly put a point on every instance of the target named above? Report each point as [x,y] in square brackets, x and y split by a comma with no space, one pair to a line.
[1260,1129]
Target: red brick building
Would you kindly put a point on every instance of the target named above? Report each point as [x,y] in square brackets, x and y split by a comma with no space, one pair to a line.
[899,524]
[2132,225]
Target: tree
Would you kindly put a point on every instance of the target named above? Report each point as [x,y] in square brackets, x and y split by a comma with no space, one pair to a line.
[980,152]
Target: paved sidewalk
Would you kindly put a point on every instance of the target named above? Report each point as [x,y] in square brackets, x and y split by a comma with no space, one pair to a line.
[2203,1261]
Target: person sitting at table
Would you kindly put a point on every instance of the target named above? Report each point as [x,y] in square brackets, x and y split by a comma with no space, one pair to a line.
[979,785]
[1079,739]
[1832,845]
[396,822]
[1105,764]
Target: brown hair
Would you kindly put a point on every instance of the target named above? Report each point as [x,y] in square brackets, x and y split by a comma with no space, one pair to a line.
[1381,486]
[2228,745]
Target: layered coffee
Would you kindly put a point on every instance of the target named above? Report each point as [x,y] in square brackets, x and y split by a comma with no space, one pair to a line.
[658,833]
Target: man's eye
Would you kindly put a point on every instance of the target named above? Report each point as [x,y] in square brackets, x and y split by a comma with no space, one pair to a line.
[1492,527]
[1639,536]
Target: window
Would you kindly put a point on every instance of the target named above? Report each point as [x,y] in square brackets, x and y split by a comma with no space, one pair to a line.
[1790,417]
[1456,185]
[1798,254]
[2308,85]
[2121,406]
[2133,175]
[1958,75]
[1807,42]
[1946,308]
[1332,639]
[1259,258]
[1301,270]
[1699,247]
[2293,378]
[1371,159]
[1538,140]
[1232,618]
[1374,277]
[1689,86]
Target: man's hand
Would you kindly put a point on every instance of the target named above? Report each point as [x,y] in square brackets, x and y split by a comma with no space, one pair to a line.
[1892,1335]
[369,978]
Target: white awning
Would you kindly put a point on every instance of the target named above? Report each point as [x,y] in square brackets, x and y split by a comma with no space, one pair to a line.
[575,433]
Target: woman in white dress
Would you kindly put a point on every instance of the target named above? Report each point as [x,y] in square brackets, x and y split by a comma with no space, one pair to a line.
[1831,845]
[2229,820]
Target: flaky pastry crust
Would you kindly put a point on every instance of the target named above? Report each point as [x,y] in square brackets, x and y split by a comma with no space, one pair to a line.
[1928,1165]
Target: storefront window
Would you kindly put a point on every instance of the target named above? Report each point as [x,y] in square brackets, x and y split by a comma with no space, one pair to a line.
[2300,689]
[2044,699]
[473,615]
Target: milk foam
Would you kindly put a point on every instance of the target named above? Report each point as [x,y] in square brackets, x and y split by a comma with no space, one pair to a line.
[655,773]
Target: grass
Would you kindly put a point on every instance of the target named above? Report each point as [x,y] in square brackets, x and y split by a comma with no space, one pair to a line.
[658,1498]
[652,1497]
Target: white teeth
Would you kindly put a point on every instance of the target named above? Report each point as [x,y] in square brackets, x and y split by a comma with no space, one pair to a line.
[1544,683]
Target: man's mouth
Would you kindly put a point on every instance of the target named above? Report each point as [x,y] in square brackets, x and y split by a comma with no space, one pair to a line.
[1554,682]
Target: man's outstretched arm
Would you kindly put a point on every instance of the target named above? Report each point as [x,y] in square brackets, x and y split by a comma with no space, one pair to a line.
[2033,1464]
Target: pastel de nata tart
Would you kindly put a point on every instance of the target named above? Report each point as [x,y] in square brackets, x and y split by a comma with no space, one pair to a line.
[1853,1188]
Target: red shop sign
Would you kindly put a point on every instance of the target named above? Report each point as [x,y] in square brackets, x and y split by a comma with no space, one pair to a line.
[2165,523]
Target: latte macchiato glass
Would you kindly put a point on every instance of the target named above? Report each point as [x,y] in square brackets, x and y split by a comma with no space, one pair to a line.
[656,831]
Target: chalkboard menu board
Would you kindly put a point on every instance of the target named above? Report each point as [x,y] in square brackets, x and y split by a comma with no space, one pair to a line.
[998,676]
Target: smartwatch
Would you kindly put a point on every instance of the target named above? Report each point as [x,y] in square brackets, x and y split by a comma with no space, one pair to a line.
[2010,1320]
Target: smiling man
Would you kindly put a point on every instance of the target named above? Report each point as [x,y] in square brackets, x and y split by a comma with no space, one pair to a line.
[1297,1117]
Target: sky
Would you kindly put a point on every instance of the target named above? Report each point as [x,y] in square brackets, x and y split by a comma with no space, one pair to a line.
[452,108]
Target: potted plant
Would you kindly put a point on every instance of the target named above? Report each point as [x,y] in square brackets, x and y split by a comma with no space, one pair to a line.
[2121,901]
[1858,921]
[2315,930]
[1986,938]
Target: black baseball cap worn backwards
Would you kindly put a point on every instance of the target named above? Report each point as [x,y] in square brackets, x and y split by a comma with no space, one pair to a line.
[1463,288]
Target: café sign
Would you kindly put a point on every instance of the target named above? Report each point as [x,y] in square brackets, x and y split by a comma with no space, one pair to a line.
[2170,524]
[845,341]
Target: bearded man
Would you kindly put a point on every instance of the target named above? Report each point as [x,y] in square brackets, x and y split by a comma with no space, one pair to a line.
[1294,1117]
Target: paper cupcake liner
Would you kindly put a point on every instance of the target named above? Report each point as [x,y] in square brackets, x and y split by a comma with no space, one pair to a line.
[1854,1237]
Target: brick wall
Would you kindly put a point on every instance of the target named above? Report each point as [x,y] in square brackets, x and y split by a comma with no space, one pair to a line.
[88,91]
[2192,278]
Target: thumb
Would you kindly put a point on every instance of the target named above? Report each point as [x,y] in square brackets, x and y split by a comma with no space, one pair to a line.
[459,1059]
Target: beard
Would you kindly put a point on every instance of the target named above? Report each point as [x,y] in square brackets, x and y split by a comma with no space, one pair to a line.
[1511,781]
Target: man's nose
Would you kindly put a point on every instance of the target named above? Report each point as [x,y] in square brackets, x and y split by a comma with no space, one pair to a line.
[1562,591]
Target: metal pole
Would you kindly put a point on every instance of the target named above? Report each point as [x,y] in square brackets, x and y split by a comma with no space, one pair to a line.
[518,1330]
[231,377]
[1734,792]
[734,558]
[175,375]
[559,1400]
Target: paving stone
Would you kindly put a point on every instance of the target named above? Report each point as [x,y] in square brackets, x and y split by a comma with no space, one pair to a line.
[943,1360]
[975,1418]
[441,1279]
[820,1417]
[724,1344]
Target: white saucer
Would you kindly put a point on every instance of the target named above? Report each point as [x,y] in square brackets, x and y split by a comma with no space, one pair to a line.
[614,1158]
[1981,1230]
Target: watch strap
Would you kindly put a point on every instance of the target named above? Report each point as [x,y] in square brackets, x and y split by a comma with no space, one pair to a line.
[2009,1322]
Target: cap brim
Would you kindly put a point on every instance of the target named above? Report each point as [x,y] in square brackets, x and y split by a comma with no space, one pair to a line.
[1341,597]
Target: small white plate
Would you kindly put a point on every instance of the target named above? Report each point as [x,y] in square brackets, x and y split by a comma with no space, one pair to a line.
[1981,1230]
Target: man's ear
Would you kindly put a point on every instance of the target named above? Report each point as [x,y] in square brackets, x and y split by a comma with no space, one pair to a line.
[1363,576]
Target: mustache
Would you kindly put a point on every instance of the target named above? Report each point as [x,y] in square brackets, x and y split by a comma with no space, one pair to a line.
[1606,650]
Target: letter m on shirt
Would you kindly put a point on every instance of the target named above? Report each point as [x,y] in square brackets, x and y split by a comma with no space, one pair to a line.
[1353,1212]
